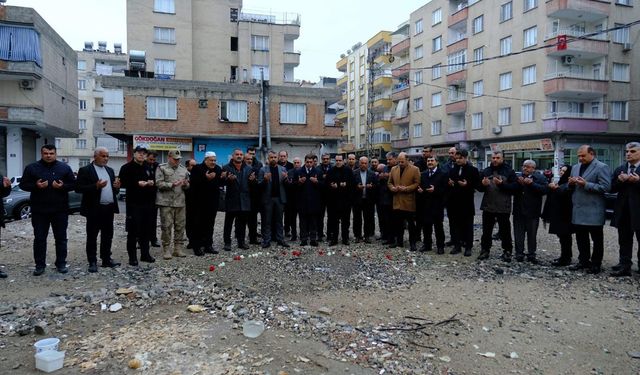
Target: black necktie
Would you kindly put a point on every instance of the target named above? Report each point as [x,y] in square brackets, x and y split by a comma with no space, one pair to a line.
[632,169]
[430,173]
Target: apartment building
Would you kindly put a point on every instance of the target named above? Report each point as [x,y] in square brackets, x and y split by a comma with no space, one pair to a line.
[38,95]
[199,116]
[534,79]
[93,64]
[213,40]
[366,86]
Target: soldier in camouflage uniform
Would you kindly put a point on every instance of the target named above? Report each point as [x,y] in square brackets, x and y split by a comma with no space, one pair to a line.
[172,181]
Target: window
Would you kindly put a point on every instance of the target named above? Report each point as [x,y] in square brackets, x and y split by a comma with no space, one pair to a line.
[478,24]
[82,84]
[82,105]
[417,130]
[478,88]
[505,46]
[619,111]
[164,6]
[162,108]
[505,81]
[527,112]
[83,162]
[436,44]
[113,103]
[436,16]
[530,37]
[81,144]
[255,72]
[620,72]
[436,72]
[456,61]
[478,55]
[418,53]
[529,75]
[506,11]
[418,104]
[58,143]
[82,124]
[436,99]
[418,27]
[82,65]
[623,2]
[293,113]
[504,116]
[530,4]
[164,35]
[233,110]
[165,68]
[417,77]
[476,121]
[621,35]
[436,127]
[259,42]
[234,43]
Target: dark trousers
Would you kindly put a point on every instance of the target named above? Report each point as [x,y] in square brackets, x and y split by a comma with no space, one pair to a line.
[566,241]
[625,240]
[41,222]
[584,244]
[489,220]
[400,217]
[339,217]
[321,215]
[428,228]
[385,212]
[139,228]
[240,218]
[363,211]
[461,226]
[152,227]
[100,221]
[191,222]
[524,226]
[272,220]
[308,227]
[290,218]
[204,224]
[252,224]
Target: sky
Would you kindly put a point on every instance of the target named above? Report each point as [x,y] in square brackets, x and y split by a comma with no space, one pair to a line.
[329,27]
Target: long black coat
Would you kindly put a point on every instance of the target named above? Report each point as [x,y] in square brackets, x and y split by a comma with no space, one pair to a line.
[431,205]
[527,199]
[237,197]
[86,185]
[340,196]
[558,210]
[308,192]
[370,179]
[628,200]
[461,198]
[206,193]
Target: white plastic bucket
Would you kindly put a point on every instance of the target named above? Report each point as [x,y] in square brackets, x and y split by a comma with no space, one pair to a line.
[46,344]
[49,360]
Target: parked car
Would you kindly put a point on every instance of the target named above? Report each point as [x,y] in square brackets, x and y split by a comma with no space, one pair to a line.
[17,205]
[15,180]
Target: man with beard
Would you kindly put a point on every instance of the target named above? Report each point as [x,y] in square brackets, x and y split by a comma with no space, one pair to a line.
[271,179]
[403,183]
[340,183]
[324,168]
[365,183]
[351,162]
[237,176]
[385,200]
[255,194]
[433,185]
[205,186]
[463,180]
[527,208]
[307,180]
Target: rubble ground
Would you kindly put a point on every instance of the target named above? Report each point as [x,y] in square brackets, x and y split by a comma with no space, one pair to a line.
[359,309]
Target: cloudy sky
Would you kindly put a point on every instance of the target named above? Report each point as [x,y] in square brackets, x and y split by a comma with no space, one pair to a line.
[329,27]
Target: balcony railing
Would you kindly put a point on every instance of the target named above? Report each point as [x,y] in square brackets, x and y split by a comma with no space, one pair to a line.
[568,74]
[280,18]
[577,34]
[593,116]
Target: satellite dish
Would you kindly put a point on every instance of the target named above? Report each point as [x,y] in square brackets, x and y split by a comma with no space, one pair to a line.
[391,58]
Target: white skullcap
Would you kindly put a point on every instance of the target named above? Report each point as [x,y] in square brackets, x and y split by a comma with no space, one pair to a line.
[209,154]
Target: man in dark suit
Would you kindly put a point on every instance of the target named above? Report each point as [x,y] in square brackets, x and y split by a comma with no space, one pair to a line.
[271,180]
[205,184]
[340,184]
[324,167]
[463,180]
[385,201]
[5,190]
[626,214]
[433,185]
[307,179]
[527,207]
[99,188]
[364,195]
[237,176]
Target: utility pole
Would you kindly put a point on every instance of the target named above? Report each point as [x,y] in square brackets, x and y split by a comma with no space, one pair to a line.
[370,117]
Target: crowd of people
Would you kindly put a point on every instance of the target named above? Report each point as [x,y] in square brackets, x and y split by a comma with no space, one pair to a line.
[293,199]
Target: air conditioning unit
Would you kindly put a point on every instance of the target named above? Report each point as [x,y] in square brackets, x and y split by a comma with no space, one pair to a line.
[203,103]
[27,84]
[568,60]
[497,130]
[626,47]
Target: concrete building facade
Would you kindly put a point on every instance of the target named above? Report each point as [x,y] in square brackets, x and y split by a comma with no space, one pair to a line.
[213,40]
[38,88]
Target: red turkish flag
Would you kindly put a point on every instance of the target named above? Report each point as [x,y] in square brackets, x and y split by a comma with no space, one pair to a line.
[562,42]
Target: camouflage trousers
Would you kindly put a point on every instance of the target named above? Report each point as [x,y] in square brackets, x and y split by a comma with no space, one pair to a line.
[172,219]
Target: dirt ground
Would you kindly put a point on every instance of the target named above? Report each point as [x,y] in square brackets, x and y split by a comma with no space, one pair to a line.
[361,309]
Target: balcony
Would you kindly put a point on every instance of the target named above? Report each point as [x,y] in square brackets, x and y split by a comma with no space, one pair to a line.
[583,10]
[342,115]
[574,115]
[382,104]
[384,80]
[401,92]
[585,48]
[459,16]
[574,125]
[342,81]
[401,71]
[380,38]
[457,78]
[292,19]
[559,86]
[401,48]
[457,45]
[291,58]
[456,135]
[398,121]
[382,59]
[19,70]
[401,143]
[456,107]
[382,123]
[341,65]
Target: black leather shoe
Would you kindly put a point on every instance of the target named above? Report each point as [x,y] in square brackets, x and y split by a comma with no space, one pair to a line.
[189,246]
[345,242]
[62,269]
[448,243]
[304,243]
[110,263]
[266,245]
[533,260]
[561,262]
[506,257]
[617,267]
[254,242]
[440,250]
[367,240]
[467,252]
[333,243]
[594,270]
[210,250]
[227,247]
[483,255]
[519,258]
[358,240]
[425,249]
[93,267]
[626,271]
[413,247]
[147,259]
[314,243]
[38,271]
[3,275]
[243,246]
[579,266]
[198,252]
[283,244]
[132,263]
[155,243]
[294,237]
[456,250]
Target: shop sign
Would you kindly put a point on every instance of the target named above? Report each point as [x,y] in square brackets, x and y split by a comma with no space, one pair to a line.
[545,144]
[162,143]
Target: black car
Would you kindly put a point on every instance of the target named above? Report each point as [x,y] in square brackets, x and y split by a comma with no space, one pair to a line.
[18,206]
